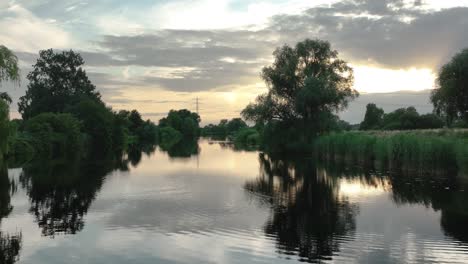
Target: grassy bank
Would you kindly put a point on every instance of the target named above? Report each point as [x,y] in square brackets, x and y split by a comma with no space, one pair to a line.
[418,151]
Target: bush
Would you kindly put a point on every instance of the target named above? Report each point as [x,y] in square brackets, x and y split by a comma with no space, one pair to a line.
[54,134]
[247,137]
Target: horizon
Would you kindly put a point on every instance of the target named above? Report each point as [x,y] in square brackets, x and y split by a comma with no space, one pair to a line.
[143,56]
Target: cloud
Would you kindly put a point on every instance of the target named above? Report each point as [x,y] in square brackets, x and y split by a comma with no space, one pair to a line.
[23,31]
[210,52]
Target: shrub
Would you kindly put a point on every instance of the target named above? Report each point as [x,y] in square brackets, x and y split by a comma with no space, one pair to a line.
[54,134]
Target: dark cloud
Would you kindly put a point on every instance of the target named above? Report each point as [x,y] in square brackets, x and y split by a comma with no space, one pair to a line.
[382,32]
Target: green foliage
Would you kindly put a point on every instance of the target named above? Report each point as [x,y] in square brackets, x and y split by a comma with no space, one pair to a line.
[373,118]
[418,152]
[304,82]
[307,85]
[184,121]
[247,137]
[54,135]
[98,125]
[224,128]
[400,119]
[4,128]
[139,132]
[56,83]
[168,137]
[450,99]
[9,70]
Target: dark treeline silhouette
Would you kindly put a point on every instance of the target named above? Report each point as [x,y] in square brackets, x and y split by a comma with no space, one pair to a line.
[400,119]
[308,217]
[224,128]
[235,130]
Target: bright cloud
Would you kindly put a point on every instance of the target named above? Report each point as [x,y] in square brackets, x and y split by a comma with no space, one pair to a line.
[23,31]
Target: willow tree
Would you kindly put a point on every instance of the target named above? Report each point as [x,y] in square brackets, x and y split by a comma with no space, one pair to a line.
[307,85]
[9,70]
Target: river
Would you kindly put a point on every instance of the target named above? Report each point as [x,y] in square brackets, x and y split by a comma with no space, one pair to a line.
[211,203]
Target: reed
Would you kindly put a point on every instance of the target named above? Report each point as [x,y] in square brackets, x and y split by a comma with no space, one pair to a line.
[418,151]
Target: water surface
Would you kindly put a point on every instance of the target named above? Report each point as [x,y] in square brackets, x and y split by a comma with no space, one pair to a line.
[208,203]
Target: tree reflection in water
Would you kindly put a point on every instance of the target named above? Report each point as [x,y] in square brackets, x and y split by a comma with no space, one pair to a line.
[185,148]
[447,195]
[61,191]
[309,218]
[10,245]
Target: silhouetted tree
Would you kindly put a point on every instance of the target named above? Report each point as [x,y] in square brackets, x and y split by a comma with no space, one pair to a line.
[56,83]
[307,85]
[450,98]
[303,82]
[373,117]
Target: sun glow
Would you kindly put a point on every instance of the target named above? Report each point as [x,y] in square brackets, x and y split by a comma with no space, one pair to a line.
[379,80]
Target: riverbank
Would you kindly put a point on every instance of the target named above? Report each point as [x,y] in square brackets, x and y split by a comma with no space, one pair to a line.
[441,151]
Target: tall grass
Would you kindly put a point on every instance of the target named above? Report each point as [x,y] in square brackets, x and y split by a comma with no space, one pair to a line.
[424,152]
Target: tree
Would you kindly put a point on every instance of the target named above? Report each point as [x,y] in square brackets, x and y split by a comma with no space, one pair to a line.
[235,124]
[56,83]
[306,83]
[373,117]
[450,98]
[9,70]
[184,121]
[401,119]
[98,125]
[4,128]
[54,134]
[307,86]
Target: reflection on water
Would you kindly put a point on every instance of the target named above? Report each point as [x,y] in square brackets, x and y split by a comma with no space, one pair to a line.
[207,202]
[10,245]
[308,216]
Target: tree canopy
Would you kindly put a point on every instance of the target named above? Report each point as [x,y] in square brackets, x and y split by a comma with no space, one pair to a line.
[9,70]
[56,83]
[450,98]
[400,119]
[184,121]
[373,117]
[307,82]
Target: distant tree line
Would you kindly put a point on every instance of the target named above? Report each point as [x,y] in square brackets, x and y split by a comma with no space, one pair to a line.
[400,119]
[450,100]
[236,130]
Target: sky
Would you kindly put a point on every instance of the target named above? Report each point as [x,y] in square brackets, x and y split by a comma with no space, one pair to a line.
[157,55]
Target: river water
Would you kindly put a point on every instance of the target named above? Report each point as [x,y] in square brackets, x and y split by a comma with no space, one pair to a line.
[210,203]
